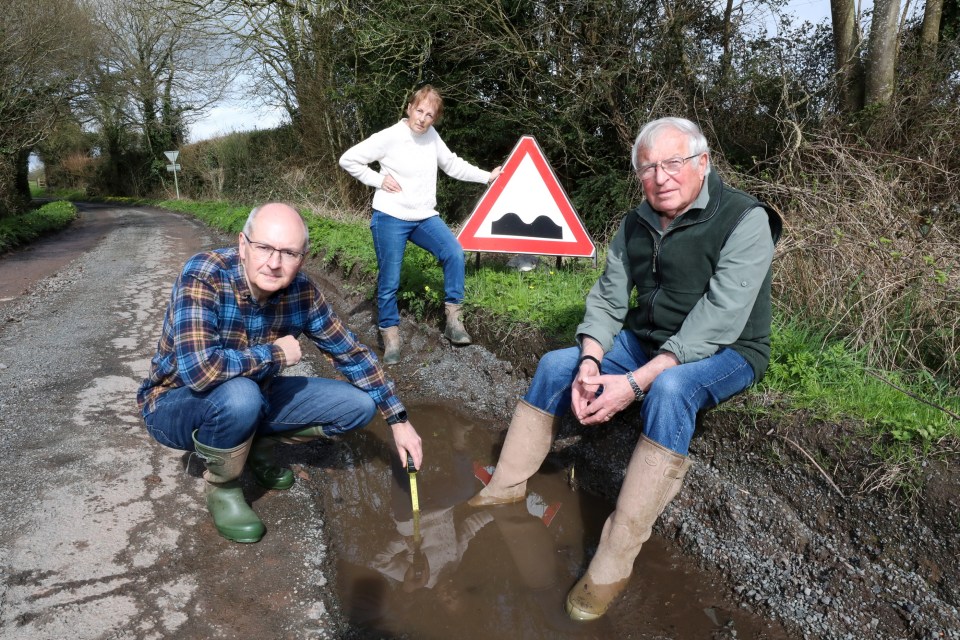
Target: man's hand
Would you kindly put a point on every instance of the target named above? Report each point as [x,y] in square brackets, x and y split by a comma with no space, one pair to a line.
[617,396]
[291,349]
[390,184]
[494,174]
[407,441]
[583,394]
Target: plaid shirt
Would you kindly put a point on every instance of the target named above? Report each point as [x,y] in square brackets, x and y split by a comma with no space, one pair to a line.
[214,330]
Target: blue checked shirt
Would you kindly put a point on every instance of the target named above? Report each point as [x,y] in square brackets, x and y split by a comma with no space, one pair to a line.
[214,330]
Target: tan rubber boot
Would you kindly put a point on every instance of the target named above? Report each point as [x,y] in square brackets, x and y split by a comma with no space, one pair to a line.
[232,516]
[527,444]
[454,331]
[391,345]
[654,476]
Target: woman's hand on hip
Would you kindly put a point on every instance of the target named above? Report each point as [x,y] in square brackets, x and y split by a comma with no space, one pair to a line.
[390,184]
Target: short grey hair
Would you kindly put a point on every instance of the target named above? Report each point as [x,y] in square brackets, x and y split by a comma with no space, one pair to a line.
[248,225]
[652,130]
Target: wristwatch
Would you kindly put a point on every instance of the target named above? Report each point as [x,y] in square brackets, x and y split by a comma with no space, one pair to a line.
[638,393]
[398,418]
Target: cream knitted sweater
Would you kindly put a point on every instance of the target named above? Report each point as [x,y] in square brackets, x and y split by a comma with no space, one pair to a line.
[412,160]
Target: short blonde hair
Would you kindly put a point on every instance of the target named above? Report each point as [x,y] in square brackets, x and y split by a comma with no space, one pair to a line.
[424,93]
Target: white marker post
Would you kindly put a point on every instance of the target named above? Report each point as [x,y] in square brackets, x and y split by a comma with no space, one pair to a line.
[173,166]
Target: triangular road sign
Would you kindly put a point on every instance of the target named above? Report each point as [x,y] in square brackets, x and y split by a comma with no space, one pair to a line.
[526,210]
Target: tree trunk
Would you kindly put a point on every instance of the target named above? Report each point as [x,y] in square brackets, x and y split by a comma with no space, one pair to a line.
[727,56]
[930,31]
[882,52]
[12,198]
[846,46]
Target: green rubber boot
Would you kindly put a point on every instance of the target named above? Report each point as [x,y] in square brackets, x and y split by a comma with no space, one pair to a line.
[300,436]
[263,463]
[232,516]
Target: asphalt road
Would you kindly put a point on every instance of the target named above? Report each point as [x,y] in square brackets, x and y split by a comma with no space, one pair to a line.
[104,533]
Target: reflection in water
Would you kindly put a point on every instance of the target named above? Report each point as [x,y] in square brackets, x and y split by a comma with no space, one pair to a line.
[495,573]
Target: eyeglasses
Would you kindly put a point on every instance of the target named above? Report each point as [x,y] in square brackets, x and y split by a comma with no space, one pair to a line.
[671,166]
[265,252]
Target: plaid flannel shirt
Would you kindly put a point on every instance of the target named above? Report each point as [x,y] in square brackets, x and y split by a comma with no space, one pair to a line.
[214,330]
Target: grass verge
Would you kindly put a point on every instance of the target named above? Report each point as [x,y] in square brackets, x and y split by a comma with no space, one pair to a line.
[20,229]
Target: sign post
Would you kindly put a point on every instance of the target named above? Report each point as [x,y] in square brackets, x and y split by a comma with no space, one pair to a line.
[173,166]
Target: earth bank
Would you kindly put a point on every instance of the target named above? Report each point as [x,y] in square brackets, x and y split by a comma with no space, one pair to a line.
[797,516]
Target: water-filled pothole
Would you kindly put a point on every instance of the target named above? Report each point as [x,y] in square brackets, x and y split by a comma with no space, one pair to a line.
[499,572]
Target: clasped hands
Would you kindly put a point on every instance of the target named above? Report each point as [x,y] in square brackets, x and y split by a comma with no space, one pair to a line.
[591,407]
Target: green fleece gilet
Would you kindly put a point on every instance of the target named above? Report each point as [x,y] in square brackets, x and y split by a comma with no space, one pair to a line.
[673,272]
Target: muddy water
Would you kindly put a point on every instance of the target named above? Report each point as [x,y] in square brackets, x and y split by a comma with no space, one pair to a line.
[502,572]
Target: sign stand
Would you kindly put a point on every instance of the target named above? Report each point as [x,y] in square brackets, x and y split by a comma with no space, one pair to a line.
[173,166]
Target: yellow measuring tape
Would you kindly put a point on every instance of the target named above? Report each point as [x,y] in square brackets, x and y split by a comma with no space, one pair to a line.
[414,497]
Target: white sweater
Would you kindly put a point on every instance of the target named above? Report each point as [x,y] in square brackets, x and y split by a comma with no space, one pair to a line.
[412,160]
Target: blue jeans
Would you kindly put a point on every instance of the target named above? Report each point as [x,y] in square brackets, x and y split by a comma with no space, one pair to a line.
[231,412]
[670,409]
[390,237]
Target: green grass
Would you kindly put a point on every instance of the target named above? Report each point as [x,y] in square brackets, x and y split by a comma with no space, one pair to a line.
[57,194]
[21,229]
[221,215]
[834,382]
[550,299]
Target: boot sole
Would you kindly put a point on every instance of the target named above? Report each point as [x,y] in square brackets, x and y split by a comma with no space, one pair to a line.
[580,615]
[485,501]
[241,540]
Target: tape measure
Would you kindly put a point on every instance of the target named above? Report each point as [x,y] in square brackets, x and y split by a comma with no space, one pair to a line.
[414,498]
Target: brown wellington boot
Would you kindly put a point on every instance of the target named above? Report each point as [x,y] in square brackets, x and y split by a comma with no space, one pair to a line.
[654,476]
[391,344]
[454,331]
[527,444]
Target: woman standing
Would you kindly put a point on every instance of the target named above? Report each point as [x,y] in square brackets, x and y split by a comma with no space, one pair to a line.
[404,208]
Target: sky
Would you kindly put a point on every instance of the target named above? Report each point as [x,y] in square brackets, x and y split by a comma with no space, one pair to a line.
[231,117]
